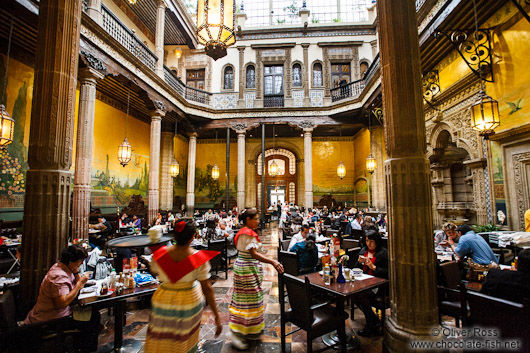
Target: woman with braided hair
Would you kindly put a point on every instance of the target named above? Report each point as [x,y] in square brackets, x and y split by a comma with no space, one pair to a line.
[176,307]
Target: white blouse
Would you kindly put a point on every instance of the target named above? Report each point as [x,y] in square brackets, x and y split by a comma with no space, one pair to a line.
[246,242]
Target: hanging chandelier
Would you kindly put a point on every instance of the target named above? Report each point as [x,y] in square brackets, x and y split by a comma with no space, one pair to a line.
[371,163]
[215,26]
[174,167]
[485,111]
[7,124]
[341,168]
[125,149]
[215,172]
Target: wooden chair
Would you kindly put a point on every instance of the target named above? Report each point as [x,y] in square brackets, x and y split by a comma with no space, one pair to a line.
[330,232]
[220,260]
[510,318]
[450,298]
[349,243]
[357,234]
[285,244]
[353,253]
[290,262]
[316,320]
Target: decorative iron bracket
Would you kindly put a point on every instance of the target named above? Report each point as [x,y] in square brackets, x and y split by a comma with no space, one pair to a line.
[431,85]
[378,113]
[474,48]
[521,9]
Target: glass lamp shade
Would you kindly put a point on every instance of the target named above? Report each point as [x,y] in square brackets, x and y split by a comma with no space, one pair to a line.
[273,169]
[178,53]
[485,115]
[341,170]
[174,169]
[215,172]
[215,26]
[371,164]
[132,2]
[124,152]
[7,126]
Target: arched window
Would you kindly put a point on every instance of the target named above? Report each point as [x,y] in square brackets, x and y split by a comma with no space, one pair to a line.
[251,76]
[317,75]
[364,68]
[228,78]
[297,75]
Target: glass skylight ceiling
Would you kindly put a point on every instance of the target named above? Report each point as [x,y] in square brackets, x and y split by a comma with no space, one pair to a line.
[280,12]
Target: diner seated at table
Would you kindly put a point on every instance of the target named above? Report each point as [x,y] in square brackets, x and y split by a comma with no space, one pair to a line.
[307,254]
[466,243]
[226,232]
[298,237]
[170,217]
[105,230]
[58,289]
[373,260]
[510,285]
[356,223]
[124,220]
[441,236]
[136,222]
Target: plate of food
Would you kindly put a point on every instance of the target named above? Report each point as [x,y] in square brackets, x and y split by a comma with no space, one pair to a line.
[108,294]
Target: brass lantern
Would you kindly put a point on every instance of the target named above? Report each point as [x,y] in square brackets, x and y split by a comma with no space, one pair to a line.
[174,169]
[371,164]
[485,115]
[215,26]
[7,125]
[178,53]
[124,152]
[215,172]
[273,168]
[341,170]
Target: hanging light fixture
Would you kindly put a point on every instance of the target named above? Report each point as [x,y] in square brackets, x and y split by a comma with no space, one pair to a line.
[485,111]
[131,2]
[178,52]
[215,26]
[125,149]
[273,167]
[371,163]
[7,124]
[174,167]
[341,168]
[215,169]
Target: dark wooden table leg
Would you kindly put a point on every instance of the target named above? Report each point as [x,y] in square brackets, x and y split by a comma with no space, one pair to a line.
[119,313]
[342,328]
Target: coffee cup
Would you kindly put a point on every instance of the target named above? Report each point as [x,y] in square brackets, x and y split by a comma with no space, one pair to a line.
[357,272]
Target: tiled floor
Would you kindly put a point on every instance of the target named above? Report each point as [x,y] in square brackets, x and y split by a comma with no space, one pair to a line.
[137,319]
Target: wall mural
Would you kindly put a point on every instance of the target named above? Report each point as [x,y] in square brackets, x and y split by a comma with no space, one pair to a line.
[498,184]
[14,159]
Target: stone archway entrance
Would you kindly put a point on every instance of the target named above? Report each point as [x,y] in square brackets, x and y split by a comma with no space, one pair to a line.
[284,186]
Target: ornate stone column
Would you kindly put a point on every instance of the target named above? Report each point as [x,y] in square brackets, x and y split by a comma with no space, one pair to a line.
[93,10]
[48,180]
[437,183]
[378,176]
[477,167]
[190,188]
[154,161]
[308,127]
[413,295]
[83,153]
[306,78]
[242,73]
[241,129]
[166,181]
[159,37]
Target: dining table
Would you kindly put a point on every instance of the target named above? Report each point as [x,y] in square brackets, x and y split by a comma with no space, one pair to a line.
[342,292]
[11,249]
[119,302]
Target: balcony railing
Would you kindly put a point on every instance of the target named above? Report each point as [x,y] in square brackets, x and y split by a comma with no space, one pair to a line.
[174,81]
[273,101]
[126,37]
[197,95]
[373,68]
[349,90]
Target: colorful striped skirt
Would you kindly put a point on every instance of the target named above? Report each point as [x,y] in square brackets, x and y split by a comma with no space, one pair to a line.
[176,311]
[246,309]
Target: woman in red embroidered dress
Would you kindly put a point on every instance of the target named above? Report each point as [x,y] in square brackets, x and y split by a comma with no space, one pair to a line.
[177,304]
[247,309]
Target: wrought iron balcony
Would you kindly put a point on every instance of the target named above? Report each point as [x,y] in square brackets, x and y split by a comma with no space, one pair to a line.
[126,37]
[174,81]
[349,90]
[273,101]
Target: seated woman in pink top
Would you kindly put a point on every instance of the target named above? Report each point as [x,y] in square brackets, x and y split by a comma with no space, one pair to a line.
[58,289]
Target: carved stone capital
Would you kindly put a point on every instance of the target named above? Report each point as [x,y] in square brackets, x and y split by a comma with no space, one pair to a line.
[240,128]
[92,62]
[89,75]
[159,105]
[305,125]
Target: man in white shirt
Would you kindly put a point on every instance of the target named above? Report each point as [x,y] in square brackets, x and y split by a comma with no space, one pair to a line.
[356,223]
[300,236]
[226,232]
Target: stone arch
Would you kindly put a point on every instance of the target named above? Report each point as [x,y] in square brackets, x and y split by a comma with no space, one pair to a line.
[448,127]
[362,62]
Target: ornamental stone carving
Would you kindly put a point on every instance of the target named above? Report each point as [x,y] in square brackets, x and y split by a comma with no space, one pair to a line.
[306,124]
[520,162]
[93,62]
[239,127]
[159,105]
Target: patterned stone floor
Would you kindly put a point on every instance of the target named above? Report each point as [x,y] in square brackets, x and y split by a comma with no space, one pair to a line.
[137,319]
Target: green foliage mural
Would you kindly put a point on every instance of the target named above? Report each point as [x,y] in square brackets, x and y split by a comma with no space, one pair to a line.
[13,160]
[204,181]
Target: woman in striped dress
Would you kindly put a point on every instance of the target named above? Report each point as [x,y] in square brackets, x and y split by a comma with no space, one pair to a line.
[247,309]
[176,306]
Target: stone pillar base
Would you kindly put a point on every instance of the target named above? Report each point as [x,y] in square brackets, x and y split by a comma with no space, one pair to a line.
[190,203]
[81,203]
[152,208]
[399,339]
